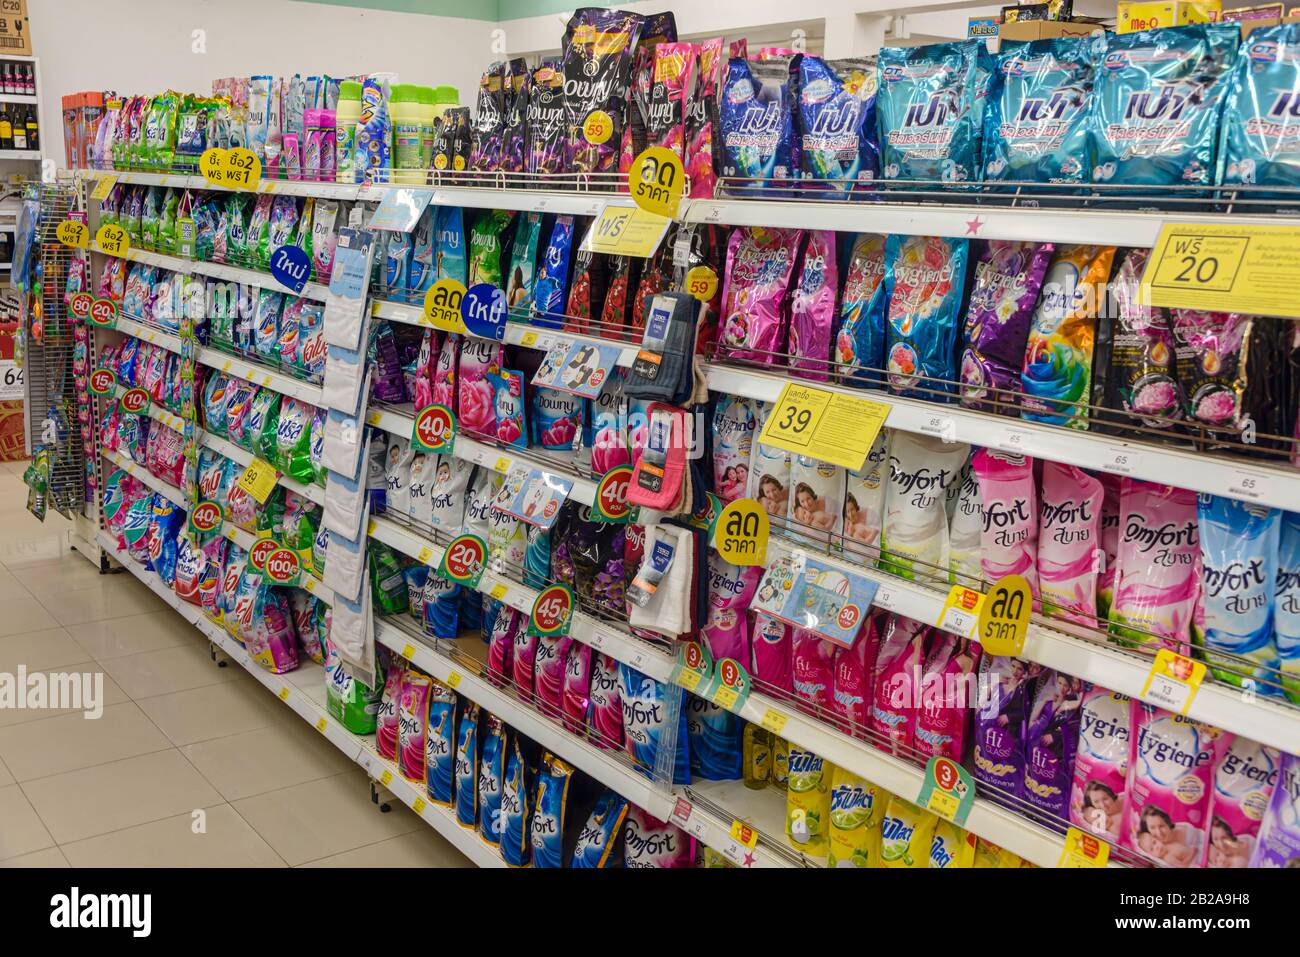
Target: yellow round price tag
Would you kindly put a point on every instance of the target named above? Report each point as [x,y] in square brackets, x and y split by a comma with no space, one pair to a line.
[243,169]
[740,535]
[657,181]
[442,305]
[72,233]
[1004,616]
[702,283]
[113,240]
[598,127]
[212,165]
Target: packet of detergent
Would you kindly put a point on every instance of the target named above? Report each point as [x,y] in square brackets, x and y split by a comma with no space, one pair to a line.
[926,112]
[836,123]
[1261,146]
[925,278]
[1157,103]
[857,811]
[808,808]
[598,48]
[702,121]
[674,77]
[756,124]
[906,834]
[546,130]
[1036,120]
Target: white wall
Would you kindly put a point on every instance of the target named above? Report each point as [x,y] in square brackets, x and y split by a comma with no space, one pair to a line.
[147,46]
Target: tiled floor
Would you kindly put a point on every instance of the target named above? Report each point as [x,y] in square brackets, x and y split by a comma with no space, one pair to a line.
[190,765]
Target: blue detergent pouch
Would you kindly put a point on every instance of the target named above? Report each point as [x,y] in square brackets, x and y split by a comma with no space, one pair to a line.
[1037,119]
[646,712]
[420,273]
[715,740]
[537,557]
[491,780]
[449,249]
[926,112]
[1286,611]
[397,264]
[601,831]
[837,123]
[266,326]
[416,576]
[555,419]
[1260,143]
[440,745]
[466,780]
[516,808]
[925,280]
[860,341]
[165,521]
[553,280]
[756,117]
[1157,102]
[547,832]
[441,608]
[1239,557]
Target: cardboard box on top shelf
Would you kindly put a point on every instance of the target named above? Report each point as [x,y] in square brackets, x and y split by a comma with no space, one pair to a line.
[1133,17]
[15,29]
[1251,18]
[1026,30]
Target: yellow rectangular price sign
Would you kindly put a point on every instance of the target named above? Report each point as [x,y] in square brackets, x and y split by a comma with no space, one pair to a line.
[259,479]
[498,591]
[744,835]
[105,186]
[774,721]
[408,651]
[386,778]
[1225,268]
[419,805]
[1083,850]
[626,231]
[321,725]
[284,694]
[1173,681]
[453,679]
[828,426]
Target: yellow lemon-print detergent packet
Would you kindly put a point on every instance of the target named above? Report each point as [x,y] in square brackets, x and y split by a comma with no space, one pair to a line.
[905,834]
[952,846]
[988,854]
[808,804]
[857,807]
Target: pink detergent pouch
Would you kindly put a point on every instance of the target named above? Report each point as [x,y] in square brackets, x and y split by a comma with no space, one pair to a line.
[426,363]
[505,631]
[1097,796]
[674,78]
[898,667]
[773,654]
[606,715]
[1009,542]
[702,119]
[270,641]
[1170,784]
[548,673]
[523,661]
[386,722]
[577,687]
[1109,534]
[1243,786]
[851,690]
[1069,542]
[814,671]
[650,842]
[215,551]
[444,372]
[302,606]
[1158,575]
[476,398]
[756,293]
[413,725]
[941,721]
[812,309]
[731,588]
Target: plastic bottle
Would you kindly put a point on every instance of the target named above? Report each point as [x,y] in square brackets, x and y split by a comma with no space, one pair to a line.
[757,748]
[781,763]
[346,116]
[428,122]
[404,105]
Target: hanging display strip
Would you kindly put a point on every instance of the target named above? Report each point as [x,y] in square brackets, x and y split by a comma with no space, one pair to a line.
[1257,483]
[517,333]
[229,450]
[603,765]
[302,690]
[224,362]
[241,537]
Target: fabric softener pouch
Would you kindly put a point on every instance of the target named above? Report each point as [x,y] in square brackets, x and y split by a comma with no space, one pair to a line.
[1069,539]
[1141,378]
[1009,543]
[999,755]
[756,119]
[600,834]
[598,50]
[812,308]
[1050,740]
[1239,559]
[1279,835]
[925,278]
[547,832]
[1039,104]
[1101,763]
[735,424]
[755,297]
[466,765]
[553,278]
[1156,104]
[1244,783]
[926,112]
[860,342]
[914,539]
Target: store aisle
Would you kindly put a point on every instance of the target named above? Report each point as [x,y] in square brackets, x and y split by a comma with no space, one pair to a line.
[178,735]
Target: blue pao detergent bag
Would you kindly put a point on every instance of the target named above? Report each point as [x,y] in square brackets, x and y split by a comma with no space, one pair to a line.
[756,120]
[1261,116]
[927,112]
[1036,123]
[1158,97]
[836,121]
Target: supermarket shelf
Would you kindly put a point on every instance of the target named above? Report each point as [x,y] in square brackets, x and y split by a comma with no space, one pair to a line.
[194,181]
[498,459]
[224,362]
[228,449]
[607,767]
[516,334]
[19,98]
[20,155]
[1117,228]
[244,539]
[1259,483]
[249,277]
[292,690]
